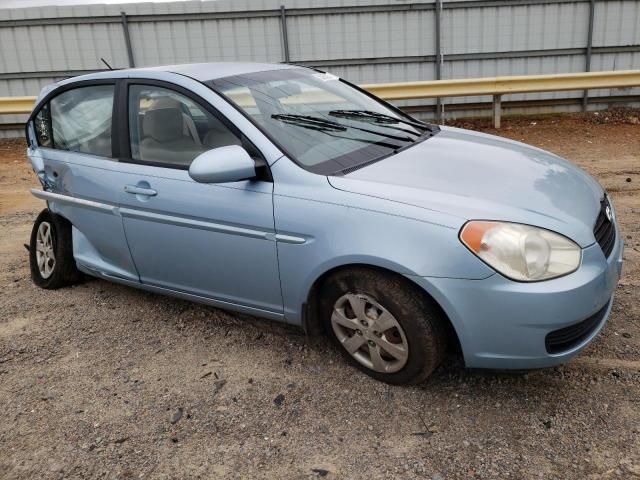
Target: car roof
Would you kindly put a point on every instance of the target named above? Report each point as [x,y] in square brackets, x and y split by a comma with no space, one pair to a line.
[210,71]
[200,71]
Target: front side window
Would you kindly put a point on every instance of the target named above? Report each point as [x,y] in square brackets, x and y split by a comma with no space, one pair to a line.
[168,128]
[81,120]
[325,124]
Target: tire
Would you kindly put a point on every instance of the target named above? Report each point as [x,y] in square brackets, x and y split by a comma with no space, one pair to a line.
[417,339]
[56,252]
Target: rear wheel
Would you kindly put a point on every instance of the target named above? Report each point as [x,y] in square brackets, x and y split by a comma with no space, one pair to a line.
[51,252]
[384,325]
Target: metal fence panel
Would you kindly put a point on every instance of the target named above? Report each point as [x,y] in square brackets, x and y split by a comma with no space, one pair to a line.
[366,41]
[514,28]
[54,47]
[618,23]
[361,35]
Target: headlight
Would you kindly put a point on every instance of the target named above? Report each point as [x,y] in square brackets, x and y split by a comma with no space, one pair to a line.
[521,252]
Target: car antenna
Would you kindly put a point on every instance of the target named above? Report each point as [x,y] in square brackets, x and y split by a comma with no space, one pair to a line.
[105,62]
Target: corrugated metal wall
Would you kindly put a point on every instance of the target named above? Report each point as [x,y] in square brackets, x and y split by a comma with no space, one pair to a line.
[370,41]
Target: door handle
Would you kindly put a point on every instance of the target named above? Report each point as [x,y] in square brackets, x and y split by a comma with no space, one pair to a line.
[136,190]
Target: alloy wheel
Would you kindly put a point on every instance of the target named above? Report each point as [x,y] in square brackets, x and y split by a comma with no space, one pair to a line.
[370,333]
[45,255]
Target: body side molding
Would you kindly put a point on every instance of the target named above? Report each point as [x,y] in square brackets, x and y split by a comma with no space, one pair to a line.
[170,219]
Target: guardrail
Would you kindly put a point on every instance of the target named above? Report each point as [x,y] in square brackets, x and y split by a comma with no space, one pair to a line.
[498,86]
[9,105]
[495,86]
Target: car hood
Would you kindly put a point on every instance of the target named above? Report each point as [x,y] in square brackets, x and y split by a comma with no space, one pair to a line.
[472,175]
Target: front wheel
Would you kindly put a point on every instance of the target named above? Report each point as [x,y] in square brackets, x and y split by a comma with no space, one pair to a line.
[384,325]
[51,252]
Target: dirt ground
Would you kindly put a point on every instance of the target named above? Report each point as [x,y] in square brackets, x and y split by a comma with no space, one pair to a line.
[104,381]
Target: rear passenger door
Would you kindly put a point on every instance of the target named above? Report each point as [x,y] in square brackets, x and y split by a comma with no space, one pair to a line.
[211,240]
[73,152]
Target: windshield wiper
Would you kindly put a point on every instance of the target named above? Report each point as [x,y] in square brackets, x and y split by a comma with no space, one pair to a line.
[379,117]
[384,123]
[331,131]
[308,120]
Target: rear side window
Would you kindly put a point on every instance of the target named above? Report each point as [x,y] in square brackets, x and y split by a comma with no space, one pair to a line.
[80,120]
[43,127]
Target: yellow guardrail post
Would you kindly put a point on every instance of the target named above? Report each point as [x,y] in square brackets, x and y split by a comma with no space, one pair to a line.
[497,107]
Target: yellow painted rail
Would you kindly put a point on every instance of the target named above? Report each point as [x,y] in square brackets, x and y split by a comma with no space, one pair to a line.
[505,85]
[16,104]
[496,86]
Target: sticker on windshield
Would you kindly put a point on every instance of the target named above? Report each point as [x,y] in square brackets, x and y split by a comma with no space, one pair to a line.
[325,77]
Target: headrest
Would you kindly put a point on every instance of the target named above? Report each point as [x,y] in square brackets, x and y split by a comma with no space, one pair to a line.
[166,102]
[163,124]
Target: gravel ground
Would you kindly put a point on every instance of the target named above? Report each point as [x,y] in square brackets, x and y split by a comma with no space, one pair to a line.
[104,381]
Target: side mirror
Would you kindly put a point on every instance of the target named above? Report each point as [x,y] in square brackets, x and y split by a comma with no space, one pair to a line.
[224,164]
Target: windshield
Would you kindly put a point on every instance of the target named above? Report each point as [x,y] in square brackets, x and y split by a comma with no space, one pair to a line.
[323,123]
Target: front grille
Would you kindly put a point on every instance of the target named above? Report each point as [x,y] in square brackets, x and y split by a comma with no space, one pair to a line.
[568,337]
[605,228]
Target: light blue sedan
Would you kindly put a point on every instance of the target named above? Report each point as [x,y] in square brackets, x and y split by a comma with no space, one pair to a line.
[288,193]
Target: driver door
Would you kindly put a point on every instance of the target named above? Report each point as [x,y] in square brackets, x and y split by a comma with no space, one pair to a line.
[215,241]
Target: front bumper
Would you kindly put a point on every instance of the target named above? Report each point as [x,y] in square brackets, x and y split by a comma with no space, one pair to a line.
[503,324]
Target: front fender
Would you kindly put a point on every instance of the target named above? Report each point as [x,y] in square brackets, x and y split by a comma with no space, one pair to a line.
[342,228]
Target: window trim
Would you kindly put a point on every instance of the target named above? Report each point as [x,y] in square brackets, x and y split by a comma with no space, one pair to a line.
[120,142]
[72,86]
[123,91]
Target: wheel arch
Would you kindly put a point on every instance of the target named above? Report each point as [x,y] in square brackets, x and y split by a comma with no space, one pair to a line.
[312,323]
[64,271]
